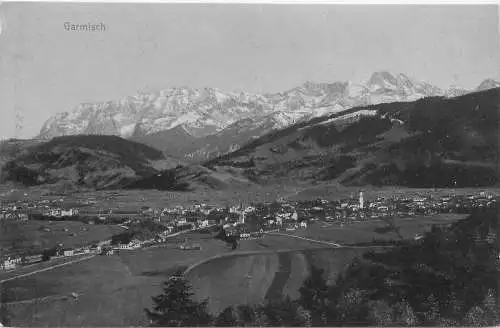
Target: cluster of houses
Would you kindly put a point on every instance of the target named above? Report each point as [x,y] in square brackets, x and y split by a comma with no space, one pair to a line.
[23,211]
[13,261]
[292,215]
[14,213]
[60,212]
[351,210]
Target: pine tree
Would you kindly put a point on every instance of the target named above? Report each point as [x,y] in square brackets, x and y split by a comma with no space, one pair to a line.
[314,296]
[282,312]
[175,307]
[475,317]
[490,308]
[404,314]
[432,313]
[247,315]
[380,313]
[353,307]
[227,318]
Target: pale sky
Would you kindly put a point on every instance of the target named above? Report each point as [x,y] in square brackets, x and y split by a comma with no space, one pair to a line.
[256,48]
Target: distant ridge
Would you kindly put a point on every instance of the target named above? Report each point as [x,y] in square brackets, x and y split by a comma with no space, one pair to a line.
[198,124]
[431,142]
[86,161]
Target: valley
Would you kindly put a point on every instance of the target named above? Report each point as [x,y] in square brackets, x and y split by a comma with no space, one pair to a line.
[249,165]
[244,206]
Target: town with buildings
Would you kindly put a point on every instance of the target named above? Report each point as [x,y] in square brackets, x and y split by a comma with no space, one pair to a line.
[241,221]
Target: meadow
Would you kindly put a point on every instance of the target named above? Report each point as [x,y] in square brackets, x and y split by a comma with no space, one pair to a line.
[366,232]
[18,237]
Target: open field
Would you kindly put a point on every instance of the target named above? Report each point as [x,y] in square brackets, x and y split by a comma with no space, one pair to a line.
[115,289]
[131,200]
[28,235]
[363,232]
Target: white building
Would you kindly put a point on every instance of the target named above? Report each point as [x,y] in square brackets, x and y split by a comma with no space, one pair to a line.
[244,235]
[55,212]
[70,212]
[8,265]
[249,209]
[68,252]
[181,221]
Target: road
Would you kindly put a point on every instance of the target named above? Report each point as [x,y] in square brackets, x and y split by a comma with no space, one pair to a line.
[307,239]
[328,242]
[47,268]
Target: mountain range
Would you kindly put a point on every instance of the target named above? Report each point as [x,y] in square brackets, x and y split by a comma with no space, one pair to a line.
[430,142]
[195,125]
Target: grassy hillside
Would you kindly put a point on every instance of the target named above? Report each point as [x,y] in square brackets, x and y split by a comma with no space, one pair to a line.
[429,143]
[82,160]
[251,279]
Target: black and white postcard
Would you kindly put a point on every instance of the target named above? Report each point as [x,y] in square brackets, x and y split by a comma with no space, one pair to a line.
[272,164]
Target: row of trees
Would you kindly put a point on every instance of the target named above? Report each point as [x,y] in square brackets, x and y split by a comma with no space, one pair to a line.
[446,279]
[143,230]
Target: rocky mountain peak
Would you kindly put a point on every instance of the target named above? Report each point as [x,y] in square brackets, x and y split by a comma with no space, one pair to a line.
[210,110]
[488,84]
[383,79]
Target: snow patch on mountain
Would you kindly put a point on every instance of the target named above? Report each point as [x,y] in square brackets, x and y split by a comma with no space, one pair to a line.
[127,130]
[358,114]
[210,110]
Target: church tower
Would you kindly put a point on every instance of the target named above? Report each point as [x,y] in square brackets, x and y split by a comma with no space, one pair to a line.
[361,200]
